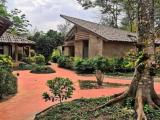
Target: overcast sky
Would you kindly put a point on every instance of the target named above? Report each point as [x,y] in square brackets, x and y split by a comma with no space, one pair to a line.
[45,14]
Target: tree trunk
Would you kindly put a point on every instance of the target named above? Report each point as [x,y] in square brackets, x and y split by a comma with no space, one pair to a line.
[142,85]
[100,77]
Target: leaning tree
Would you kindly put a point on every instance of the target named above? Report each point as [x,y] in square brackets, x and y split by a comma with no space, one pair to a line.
[142,85]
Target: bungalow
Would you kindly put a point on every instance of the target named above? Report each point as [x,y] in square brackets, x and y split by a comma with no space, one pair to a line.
[15,46]
[12,45]
[89,39]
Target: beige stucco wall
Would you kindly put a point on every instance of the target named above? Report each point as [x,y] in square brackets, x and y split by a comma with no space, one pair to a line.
[95,46]
[116,49]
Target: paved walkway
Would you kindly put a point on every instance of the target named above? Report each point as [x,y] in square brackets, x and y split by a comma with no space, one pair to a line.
[28,100]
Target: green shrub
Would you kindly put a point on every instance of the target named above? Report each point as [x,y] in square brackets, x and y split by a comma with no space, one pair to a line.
[29,60]
[62,89]
[39,59]
[100,63]
[55,56]
[8,83]
[122,65]
[42,70]
[6,62]
[25,66]
[82,66]
[65,62]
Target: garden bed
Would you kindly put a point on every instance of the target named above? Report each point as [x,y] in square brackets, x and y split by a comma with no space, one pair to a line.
[90,84]
[78,110]
[42,70]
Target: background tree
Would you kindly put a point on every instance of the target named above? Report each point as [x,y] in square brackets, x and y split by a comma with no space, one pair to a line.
[19,20]
[111,9]
[20,23]
[119,13]
[3,9]
[129,20]
[46,42]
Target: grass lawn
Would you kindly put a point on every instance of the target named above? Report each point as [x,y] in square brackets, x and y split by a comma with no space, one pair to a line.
[78,110]
[90,84]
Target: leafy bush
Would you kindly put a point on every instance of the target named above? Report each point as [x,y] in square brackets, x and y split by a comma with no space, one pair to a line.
[82,66]
[152,113]
[39,59]
[29,60]
[25,66]
[100,63]
[8,83]
[65,62]
[6,62]
[122,65]
[55,56]
[61,88]
[42,70]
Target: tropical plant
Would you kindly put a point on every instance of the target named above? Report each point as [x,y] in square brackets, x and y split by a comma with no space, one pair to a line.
[61,89]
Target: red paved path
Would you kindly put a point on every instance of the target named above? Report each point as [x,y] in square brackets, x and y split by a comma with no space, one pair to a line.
[28,100]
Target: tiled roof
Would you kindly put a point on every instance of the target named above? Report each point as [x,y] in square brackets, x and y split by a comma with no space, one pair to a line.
[9,38]
[4,25]
[108,33]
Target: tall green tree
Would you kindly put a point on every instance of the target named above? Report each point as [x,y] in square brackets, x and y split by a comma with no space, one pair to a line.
[142,85]
[110,8]
[3,9]
[129,8]
[19,20]
[20,23]
[46,42]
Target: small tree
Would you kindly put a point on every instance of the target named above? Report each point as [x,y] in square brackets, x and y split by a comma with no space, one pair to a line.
[100,65]
[61,89]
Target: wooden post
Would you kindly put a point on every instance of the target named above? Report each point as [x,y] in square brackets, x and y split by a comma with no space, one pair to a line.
[16,52]
[29,52]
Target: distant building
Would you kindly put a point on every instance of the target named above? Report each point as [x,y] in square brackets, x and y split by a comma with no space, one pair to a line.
[88,39]
[12,45]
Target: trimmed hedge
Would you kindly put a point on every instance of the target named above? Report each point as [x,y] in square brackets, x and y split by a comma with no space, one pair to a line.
[42,70]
